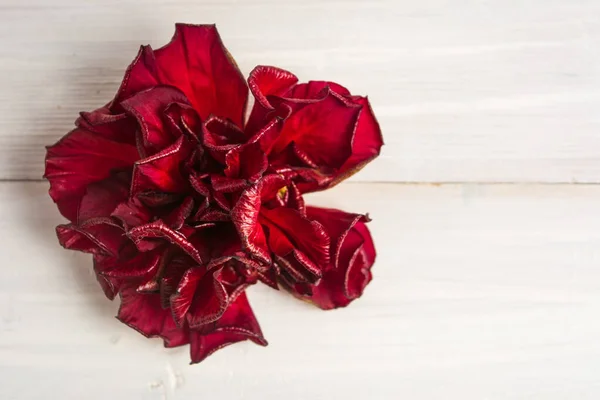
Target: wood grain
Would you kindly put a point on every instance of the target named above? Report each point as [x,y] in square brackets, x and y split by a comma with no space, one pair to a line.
[480,292]
[467,90]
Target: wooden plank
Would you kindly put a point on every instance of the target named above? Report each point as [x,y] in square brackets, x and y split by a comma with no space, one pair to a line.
[465,91]
[480,292]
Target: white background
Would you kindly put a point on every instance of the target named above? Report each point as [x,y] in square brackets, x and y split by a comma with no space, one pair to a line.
[487,283]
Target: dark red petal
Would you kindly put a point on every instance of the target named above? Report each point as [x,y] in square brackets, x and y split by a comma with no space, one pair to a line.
[269,278]
[182,299]
[132,213]
[221,200]
[183,119]
[139,266]
[212,215]
[109,286]
[223,184]
[341,285]
[79,159]
[178,216]
[247,162]
[71,238]
[149,108]
[367,141]
[140,75]
[118,127]
[299,268]
[245,218]
[200,297]
[359,273]
[197,63]
[158,229]
[101,198]
[267,81]
[337,224]
[315,90]
[144,313]
[219,136]
[323,130]
[307,236]
[295,200]
[238,323]
[171,272]
[306,179]
[272,185]
[96,236]
[162,171]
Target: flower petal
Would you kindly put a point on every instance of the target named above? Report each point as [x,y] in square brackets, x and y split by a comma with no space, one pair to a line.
[96,236]
[117,127]
[158,229]
[222,184]
[238,323]
[140,75]
[200,297]
[337,224]
[79,159]
[270,81]
[303,234]
[315,90]
[323,130]
[355,256]
[219,136]
[367,142]
[248,162]
[197,63]
[149,108]
[101,198]
[162,171]
[178,216]
[143,312]
[244,216]
[132,213]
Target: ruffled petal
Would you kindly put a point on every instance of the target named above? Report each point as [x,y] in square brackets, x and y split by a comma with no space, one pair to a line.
[149,109]
[117,127]
[158,230]
[220,136]
[367,142]
[79,159]
[95,236]
[197,63]
[323,130]
[162,171]
[237,324]
[140,75]
[101,198]
[176,218]
[267,81]
[354,257]
[143,312]
[337,224]
[316,90]
[245,218]
[294,231]
[200,297]
[132,213]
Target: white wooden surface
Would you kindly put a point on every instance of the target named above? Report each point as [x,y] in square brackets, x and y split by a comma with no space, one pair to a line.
[480,292]
[466,90]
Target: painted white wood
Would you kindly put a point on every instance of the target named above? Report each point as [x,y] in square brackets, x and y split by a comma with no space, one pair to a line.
[480,292]
[466,90]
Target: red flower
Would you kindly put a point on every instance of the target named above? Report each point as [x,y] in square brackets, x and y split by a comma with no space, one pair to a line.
[183,204]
